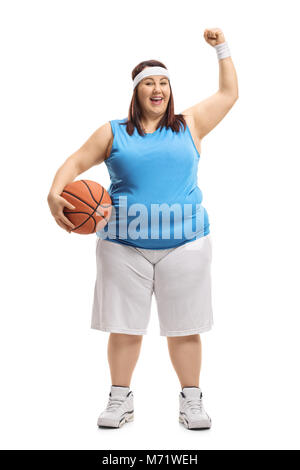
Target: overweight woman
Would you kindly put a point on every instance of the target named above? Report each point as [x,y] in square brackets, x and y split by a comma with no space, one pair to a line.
[158,239]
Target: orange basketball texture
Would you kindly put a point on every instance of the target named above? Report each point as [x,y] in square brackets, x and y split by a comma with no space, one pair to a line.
[92,206]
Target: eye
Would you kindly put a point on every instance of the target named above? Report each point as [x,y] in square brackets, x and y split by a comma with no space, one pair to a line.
[150,83]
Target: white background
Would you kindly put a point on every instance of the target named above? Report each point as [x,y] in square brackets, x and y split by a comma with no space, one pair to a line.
[66,70]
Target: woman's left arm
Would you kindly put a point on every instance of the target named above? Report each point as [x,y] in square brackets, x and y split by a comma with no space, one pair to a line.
[209,112]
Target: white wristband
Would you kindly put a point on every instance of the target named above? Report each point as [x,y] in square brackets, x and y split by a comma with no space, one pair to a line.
[222,50]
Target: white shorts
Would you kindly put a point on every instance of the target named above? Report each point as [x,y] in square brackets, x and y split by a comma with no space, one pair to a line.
[180,278]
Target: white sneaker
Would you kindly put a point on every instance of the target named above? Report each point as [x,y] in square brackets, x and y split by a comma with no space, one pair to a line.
[191,410]
[119,409]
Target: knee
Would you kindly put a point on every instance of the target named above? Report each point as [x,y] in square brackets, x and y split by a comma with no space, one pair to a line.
[126,338]
[184,339]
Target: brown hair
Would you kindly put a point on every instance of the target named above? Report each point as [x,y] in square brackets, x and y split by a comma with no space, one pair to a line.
[169,120]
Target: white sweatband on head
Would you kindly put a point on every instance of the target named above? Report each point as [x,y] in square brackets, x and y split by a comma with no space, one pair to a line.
[150,71]
[222,50]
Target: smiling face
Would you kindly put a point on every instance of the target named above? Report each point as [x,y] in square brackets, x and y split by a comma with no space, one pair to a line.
[154,86]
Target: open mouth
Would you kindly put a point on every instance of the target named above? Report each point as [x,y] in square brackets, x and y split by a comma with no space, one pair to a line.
[156,101]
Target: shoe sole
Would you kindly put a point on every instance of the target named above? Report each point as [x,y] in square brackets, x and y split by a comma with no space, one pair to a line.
[127,418]
[186,424]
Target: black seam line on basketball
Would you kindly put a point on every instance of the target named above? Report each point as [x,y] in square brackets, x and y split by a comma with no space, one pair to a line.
[89,216]
[94,210]
[80,212]
[83,181]
[78,226]
[83,212]
[76,197]
[76,212]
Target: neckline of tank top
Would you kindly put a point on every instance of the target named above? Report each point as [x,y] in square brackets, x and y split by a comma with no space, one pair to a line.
[146,133]
[151,133]
[157,130]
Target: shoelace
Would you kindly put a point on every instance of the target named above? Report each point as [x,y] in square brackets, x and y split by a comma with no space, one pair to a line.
[195,404]
[114,403]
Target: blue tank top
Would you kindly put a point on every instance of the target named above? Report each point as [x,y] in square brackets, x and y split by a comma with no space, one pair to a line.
[153,182]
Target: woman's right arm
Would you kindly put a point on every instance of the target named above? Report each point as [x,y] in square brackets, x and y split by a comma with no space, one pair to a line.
[92,152]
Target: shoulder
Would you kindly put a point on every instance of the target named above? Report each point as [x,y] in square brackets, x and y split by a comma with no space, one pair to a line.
[115,123]
[189,118]
[110,132]
[190,121]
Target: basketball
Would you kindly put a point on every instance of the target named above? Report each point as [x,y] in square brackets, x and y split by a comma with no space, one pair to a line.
[92,203]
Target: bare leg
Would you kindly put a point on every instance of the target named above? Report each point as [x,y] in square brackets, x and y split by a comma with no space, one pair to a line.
[185,353]
[123,352]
